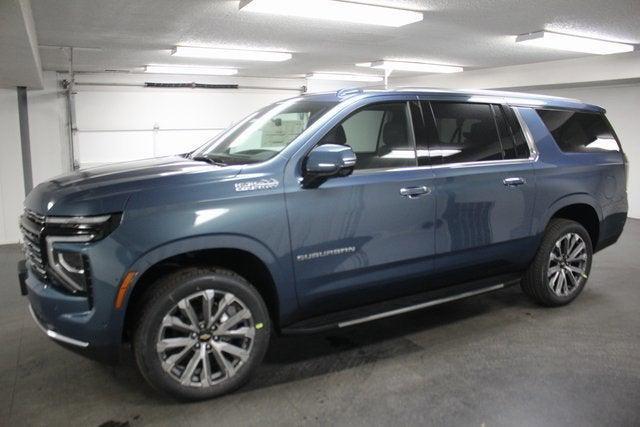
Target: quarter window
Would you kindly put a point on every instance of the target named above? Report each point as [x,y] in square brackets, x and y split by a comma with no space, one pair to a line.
[579,132]
[466,133]
[379,134]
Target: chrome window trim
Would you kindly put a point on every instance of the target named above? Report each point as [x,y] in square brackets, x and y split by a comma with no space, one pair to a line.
[528,136]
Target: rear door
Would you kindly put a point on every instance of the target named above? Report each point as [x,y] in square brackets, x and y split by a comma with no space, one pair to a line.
[368,236]
[485,188]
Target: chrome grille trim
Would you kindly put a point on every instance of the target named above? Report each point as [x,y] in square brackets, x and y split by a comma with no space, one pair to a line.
[32,226]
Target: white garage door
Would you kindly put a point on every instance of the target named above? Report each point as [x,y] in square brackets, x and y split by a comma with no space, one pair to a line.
[117,124]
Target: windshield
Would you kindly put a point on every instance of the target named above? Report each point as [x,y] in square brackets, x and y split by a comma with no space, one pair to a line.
[264,133]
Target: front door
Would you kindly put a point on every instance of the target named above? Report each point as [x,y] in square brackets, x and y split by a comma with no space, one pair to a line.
[368,236]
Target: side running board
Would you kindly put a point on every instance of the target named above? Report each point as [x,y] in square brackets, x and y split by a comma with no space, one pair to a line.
[397,306]
[419,306]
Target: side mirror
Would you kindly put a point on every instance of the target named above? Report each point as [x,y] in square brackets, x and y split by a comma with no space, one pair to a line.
[326,161]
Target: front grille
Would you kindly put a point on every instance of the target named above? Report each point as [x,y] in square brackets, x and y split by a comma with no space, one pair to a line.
[32,227]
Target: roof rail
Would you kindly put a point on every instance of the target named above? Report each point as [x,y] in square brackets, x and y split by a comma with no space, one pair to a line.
[343,93]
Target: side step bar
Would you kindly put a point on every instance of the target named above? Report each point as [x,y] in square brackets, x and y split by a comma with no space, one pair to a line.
[419,306]
[397,306]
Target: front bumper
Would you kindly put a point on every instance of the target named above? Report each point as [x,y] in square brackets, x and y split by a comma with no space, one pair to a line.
[56,336]
[69,320]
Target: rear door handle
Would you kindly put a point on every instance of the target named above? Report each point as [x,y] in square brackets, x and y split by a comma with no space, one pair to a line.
[412,192]
[513,182]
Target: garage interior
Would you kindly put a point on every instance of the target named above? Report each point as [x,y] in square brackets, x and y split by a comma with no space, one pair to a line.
[87,83]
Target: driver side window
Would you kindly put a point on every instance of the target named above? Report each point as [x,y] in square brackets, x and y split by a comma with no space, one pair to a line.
[379,134]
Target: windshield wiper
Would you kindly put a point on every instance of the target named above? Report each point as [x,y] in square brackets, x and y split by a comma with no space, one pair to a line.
[210,160]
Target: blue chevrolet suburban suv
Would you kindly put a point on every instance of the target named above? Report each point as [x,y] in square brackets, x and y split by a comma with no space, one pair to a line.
[321,211]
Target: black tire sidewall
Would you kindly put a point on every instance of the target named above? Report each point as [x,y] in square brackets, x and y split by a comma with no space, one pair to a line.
[173,290]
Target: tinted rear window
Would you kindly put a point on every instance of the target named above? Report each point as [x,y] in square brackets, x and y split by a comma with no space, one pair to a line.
[579,132]
[466,133]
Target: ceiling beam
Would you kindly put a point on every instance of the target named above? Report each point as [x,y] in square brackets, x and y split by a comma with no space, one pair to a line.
[20,65]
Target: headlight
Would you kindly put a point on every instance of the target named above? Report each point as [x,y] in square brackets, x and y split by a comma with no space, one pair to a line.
[71,266]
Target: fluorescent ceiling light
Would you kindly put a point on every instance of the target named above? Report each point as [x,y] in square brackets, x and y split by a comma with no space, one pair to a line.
[237,54]
[419,67]
[572,43]
[187,69]
[334,10]
[345,77]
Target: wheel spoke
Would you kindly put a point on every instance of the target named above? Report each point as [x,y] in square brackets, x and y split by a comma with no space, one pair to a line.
[187,374]
[169,343]
[561,280]
[224,303]
[170,363]
[578,250]
[234,320]
[176,323]
[205,375]
[553,270]
[573,269]
[564,289]
[572,279]
[578,258]
[233,350]
[187,309]
[226,368]
[207,307]
[238,333]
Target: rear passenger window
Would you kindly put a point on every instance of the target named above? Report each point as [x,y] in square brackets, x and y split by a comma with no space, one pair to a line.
[379,134]
[466,133]
[579,132]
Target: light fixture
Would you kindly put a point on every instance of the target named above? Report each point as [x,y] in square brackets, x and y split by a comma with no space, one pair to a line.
[235,54]
[187,69]
[572,43]
[419,67]
[345,77]
[335,10]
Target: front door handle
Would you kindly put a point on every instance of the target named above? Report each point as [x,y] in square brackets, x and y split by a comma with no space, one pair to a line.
[412,192]
[513,182]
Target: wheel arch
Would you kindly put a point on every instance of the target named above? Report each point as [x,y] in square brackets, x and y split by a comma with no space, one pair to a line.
[581,208]
[243,255]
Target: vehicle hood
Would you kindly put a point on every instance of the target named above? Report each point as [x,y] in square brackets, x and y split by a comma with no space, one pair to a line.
[106,189]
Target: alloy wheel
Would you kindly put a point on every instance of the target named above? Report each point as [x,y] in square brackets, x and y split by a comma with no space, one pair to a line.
[566,271]
[205,338]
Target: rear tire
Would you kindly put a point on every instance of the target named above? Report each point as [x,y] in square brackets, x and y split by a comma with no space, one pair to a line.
[200,333]
[561,267]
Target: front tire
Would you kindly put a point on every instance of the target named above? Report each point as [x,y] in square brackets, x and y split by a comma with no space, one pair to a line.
[201,333]
[562,264]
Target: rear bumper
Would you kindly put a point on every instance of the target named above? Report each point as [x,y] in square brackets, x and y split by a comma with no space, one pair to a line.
[69,320]
[610,230]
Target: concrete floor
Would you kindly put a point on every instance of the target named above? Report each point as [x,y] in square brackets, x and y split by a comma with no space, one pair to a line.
[491,360]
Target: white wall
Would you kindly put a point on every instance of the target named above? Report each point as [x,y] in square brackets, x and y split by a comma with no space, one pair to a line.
[48,130]
[11,178]
[607,80]
[623,106]
[121,124]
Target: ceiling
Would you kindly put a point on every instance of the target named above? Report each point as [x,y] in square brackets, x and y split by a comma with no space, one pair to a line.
[473,33]
[17,42]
